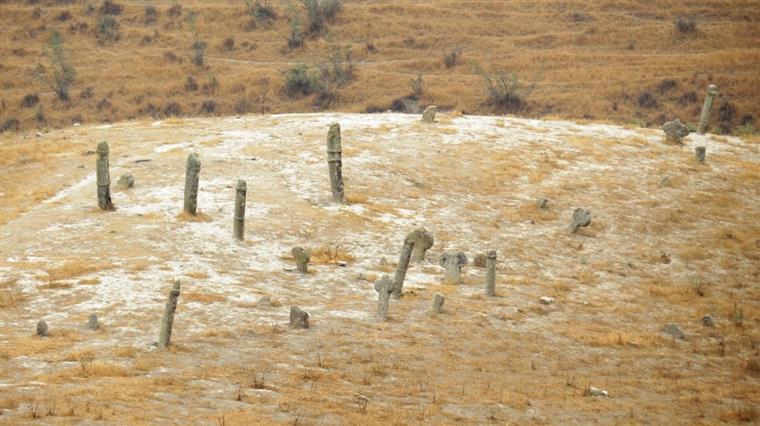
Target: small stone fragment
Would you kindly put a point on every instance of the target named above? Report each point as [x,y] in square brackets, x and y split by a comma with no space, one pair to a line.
[438,303]
[581,218]
[708,321]
[42,328]
[298,318]
[264,302]
[92,322]
[126,181]
[428,116]
[665,182]
[592,391]
[673,330]
[699,153]
[546,300]
[675,130]
[543,204]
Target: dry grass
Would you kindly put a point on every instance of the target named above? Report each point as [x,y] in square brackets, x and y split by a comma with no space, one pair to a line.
[74,268]
[327,254]
[203,297]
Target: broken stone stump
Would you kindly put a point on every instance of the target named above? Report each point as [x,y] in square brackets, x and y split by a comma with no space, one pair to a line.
[673,330]
[708,321]
[543,204]
[298,318]
[491,273]
[699,153]
[704,117]
[103,177]
[126,181]
[92,322]
[384,288]
[302,258]
[168,319]
[428,116]
[192,171]
[438,303]
[403,265]
[479,261]
[42,328]
[335,163]
[422,241]
[581,218]
[238,219]
[665,182]
[264,302]
[675,130]
[453,262]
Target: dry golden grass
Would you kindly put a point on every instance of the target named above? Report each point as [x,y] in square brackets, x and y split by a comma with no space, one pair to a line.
[74,268]
[199,275]
[203,297]
[327,254]
[628,48]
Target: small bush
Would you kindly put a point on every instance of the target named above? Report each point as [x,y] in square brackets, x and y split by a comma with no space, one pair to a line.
[688,98]
[417,86]
[261,11]
[666,86]
[86,93]
[210,87]
[108,29]
[61,75]
[39,115]
[242,107]
[199,49]
[726,116]
[340,66]
[30,100]
[175,9]
[228,45]
[64,16]
[296,37]
[685,25]
[297,82]
[326,90]
[208,107]
[371,48]
[191,85]
[111,8]
[151,14]
[504,91]
[319,12]
[9,125]
[647,100]
[172,108]
[451,57]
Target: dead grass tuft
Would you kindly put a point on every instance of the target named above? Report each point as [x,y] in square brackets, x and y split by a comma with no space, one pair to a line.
[74,268]
[327,254]
[199,217]
[204,297]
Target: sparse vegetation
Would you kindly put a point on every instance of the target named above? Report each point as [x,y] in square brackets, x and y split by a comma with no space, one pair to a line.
[319,13]
[61,74]
[451,57]
[504,92]
[685,25]
[151,14]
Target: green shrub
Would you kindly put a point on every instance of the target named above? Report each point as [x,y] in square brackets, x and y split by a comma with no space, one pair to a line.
[108,28]
[297,81]
[319,12]
[61,74]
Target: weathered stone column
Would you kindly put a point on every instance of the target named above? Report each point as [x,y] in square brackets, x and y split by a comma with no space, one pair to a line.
[403,265]
[422,241]
[103,177]
[168,319]
[700,153]
[384,288]
[581,218]
[438,303]
[453,262]
[335,163]
[704,118]
[302,258]
[238,219]
[298,318]
[192,171]
[491,273]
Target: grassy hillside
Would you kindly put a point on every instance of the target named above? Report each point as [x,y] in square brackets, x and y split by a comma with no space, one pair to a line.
[622,61]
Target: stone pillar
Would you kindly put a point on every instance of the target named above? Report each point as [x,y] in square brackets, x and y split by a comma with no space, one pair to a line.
[192,171]
[453,262]
[704,118]
[335,163]
[403,265]
[428,116]
[103,177]
[302,258]
[238,224]
[168,320]
[581,218]
[298,318]
[384,288]
[438,303]
[92,322]
[42,328]
[422,241]
[700,153]
[491,273]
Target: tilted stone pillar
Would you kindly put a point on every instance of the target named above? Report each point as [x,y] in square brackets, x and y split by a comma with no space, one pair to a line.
[335,163]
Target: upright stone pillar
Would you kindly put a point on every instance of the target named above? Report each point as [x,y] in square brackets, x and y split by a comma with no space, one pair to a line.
[700,152]
[428,116]
[581,218]
[103,177]
[403,265]
[438,303]
[238,224]
[384,288]
[298,318]
[453,262]
[491,273]
[192,171]
[168,319]
[335,163]
[302,258]
[704,118]
[422,240]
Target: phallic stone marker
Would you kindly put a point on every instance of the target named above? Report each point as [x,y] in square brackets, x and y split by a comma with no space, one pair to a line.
[384,288]
[491,273]
[403,265]
[42,328]
[92,322]
[298,318]
[103,177]
[422,240]
[675,130]
[302,258]
[126,181]
[192,172]
[700,153]
[438,303]
[704,117]
[453,262]
[168,319]
[335,163]
[428,116]
[581,218]
[238,219]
